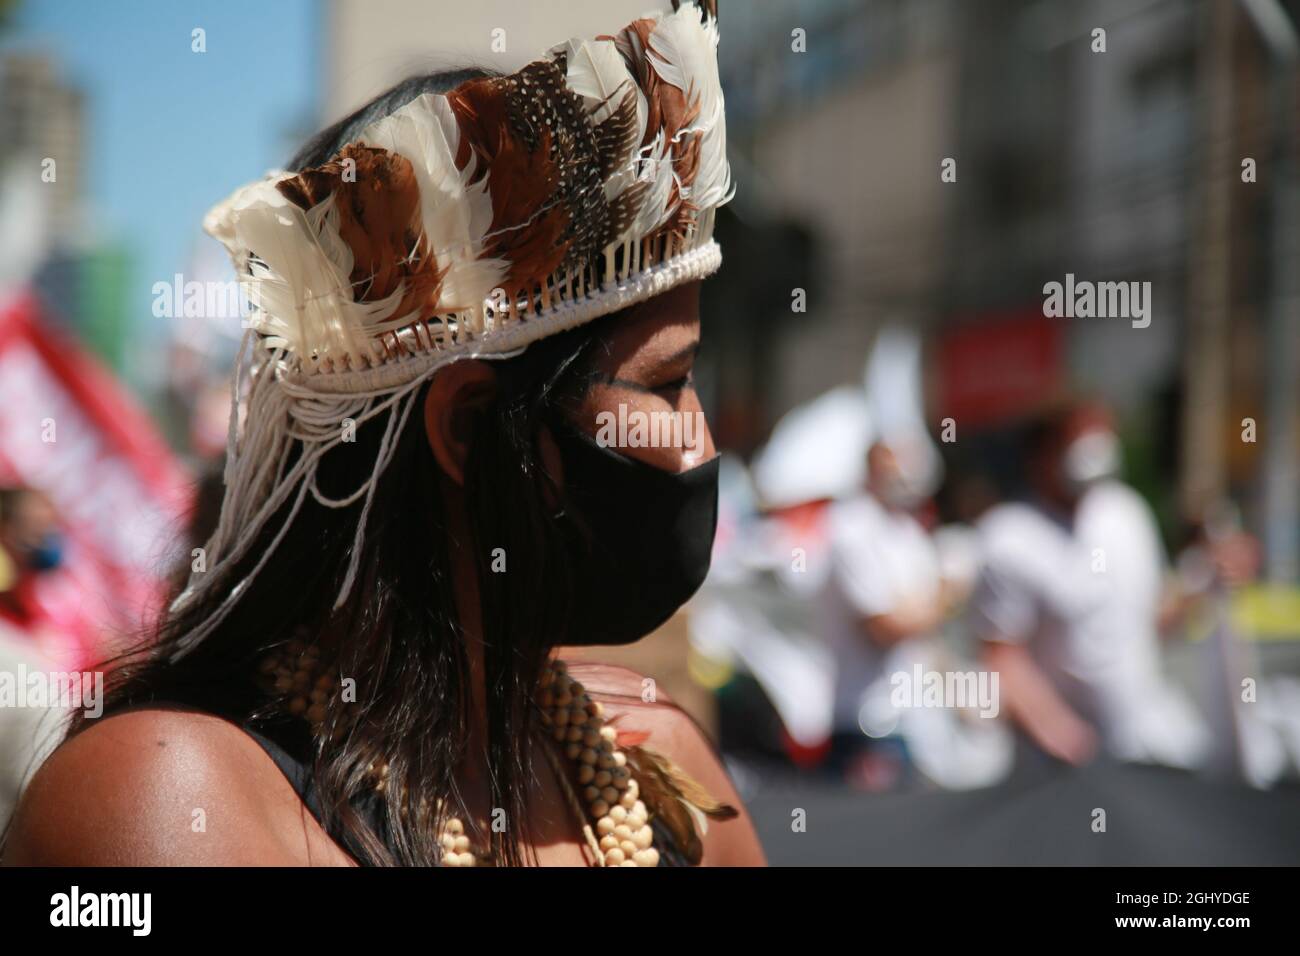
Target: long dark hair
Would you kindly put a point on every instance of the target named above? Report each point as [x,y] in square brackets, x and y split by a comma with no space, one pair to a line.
[399,635]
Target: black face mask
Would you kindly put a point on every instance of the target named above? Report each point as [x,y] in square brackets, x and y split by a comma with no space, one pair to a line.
[640,539]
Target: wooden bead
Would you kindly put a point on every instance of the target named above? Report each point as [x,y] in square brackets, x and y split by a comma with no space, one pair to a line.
[591,794]
[316,713]
[599,808]
[603,778]
[576,735]
[605,761]
[609,795]
[572,751]
[586,772]
[588,756]
[297,706]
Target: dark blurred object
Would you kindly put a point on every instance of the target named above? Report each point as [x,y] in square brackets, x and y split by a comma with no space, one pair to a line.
[744,306]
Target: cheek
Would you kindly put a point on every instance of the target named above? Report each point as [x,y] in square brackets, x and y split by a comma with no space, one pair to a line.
[671,436]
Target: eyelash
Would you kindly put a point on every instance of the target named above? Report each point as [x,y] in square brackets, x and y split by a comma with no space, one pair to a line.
[677,385]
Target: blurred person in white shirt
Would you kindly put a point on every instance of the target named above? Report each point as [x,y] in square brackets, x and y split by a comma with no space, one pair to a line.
[883,590]
[1071,599]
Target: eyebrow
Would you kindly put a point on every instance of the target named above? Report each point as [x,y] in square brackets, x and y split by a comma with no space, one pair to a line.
[690,351]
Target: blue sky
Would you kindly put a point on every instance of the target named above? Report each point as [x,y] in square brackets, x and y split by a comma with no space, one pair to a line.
[169,131]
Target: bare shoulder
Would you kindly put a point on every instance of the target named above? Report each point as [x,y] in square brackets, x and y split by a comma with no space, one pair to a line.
[634,703]
[162,787]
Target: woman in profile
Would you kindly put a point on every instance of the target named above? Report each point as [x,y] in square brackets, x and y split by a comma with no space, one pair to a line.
[451,288]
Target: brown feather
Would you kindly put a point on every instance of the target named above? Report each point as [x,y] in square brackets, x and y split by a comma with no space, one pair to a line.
[668,110]
[502,121]
[379,219]
[667,790]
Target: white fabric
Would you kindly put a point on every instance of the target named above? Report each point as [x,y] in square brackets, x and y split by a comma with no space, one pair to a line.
[27,733]
[817,451]
[880,559]
[1084,599]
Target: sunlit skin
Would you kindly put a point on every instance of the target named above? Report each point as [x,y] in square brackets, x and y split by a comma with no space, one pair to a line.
[134,776]
[649,367]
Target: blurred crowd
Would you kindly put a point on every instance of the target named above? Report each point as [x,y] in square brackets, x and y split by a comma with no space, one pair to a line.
[907,625]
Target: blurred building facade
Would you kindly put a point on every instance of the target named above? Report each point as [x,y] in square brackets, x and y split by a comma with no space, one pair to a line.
[1100,140]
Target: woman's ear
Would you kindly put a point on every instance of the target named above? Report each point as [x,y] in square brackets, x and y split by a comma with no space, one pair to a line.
[457,394]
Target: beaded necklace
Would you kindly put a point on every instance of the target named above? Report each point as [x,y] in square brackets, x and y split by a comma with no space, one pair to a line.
[608,806]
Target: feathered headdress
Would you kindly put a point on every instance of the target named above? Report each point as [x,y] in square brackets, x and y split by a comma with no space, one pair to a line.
[464,225]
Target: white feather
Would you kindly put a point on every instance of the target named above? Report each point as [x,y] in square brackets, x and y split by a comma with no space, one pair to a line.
[456,215]
[219,223]
[595,70]
[657,168]
[300,278]
[683,51]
